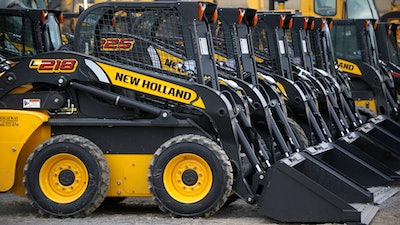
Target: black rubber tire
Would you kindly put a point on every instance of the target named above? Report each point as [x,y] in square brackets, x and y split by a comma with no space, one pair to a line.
[299,133]
[209,155]
[82,167]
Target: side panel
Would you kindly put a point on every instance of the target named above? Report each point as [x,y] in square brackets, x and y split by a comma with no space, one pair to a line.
[128,174]
[16,127]
[370,104]
[41,134]
[128,150]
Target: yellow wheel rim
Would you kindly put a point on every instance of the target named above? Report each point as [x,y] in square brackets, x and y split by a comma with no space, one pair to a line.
[63,178]
[188,178]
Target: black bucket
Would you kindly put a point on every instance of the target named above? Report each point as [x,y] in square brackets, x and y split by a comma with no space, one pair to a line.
[384,131]
[372,151]
[304,189]
[377,180]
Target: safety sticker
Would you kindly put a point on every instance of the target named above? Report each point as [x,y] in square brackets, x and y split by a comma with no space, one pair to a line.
[244,46]
[31,103]
[203,46]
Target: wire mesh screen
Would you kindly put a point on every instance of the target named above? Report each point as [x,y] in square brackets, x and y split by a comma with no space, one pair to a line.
[224,46]
[265,54]
[147,38]
[17,37]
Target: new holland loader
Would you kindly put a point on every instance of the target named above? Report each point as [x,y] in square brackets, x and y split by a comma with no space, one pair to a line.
[161,47]
[387,44]
[382,129]
[322,49]
[165,45]
[80,127]
[158,45]
[356,51]
[329,98]
[272,53]
[25,32]
[232,41]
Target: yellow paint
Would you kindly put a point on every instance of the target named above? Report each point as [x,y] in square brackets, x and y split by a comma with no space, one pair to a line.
[258,59]
[40,135]
[222,82]
[188,193]
[20,47]
[220,58]
[16,127]
[128,175]
[22,89]
[348,67]
[150,85]
[280,89]
[49,178]
[371,104]
[307,8]
[169,62]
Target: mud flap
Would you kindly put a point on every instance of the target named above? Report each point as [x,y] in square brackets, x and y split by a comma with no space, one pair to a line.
[303,189]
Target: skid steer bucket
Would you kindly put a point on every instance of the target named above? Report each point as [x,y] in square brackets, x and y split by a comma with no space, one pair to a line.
[324,155]
[307,190]
[143,45]
[372,132]
[309,169]
[381,130]
[377,156]
[269,26]
[372,86]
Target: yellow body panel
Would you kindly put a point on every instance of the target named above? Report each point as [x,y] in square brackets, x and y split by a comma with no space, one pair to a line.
[370,104]
[220,58]
[169,62]
[307,8]
[348,67]
[279,89]
[151,85]
[16,128]
[40,135]
[258,59]
[128,175]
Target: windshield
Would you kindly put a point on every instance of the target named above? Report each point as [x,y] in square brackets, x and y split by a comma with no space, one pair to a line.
[361,9]
[53,34]
[346,43]
[325,7]
[34,4]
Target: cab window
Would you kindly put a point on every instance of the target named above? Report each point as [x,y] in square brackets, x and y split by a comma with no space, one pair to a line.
[360,9]
[325,7]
